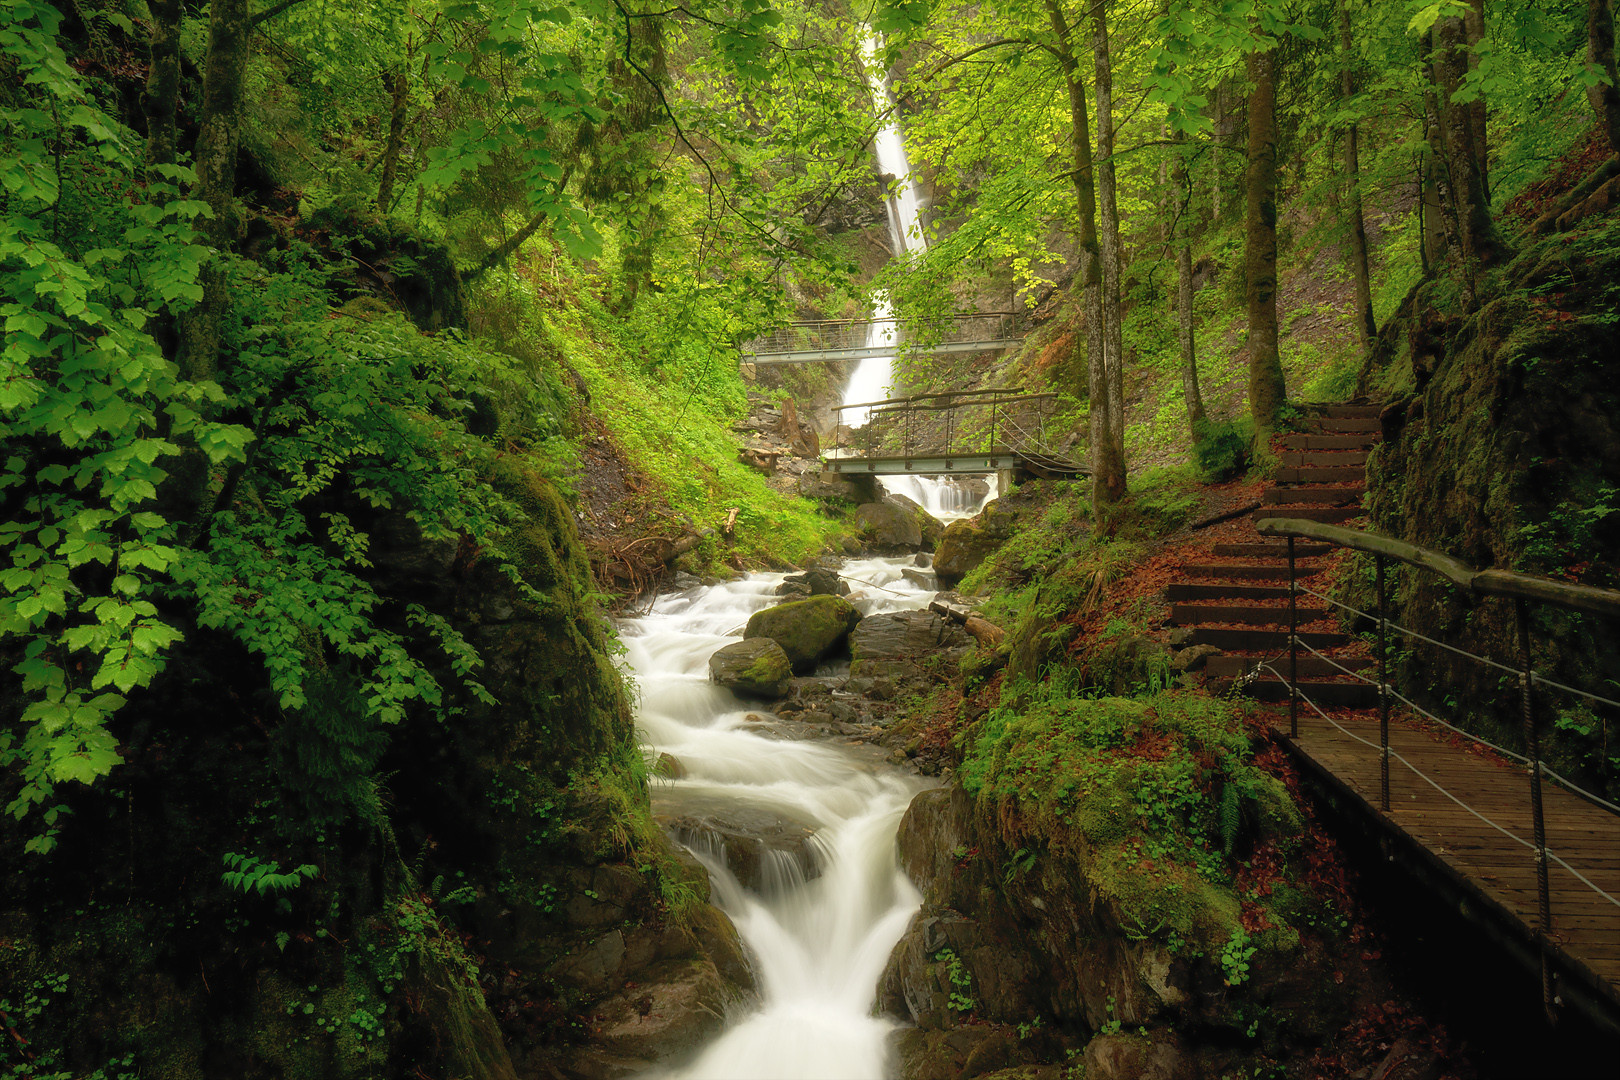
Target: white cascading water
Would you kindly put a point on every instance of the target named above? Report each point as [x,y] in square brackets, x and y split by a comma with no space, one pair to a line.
[819,946]
[946,498]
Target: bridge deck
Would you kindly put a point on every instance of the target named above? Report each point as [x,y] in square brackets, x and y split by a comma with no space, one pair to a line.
[1496,869]
[812,356]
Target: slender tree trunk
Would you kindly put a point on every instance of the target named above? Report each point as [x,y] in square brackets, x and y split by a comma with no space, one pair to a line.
[1107,192]
[1267,392]
[1181,239]
[1481,244]
[163,83]
[1474,32]
[1600,52]
[1366,326]
[1436,237]
[1107,471]
[219,130]
[399,92]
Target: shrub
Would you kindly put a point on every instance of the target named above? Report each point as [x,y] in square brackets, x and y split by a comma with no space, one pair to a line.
[1224,448]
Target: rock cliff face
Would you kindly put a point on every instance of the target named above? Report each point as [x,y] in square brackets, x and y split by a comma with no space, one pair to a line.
[1502,448]
[1017,958]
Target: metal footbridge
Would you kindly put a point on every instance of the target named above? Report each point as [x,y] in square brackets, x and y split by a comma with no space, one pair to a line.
[971,431]
[858,339]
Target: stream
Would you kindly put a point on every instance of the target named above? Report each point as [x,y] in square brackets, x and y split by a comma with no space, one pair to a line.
[819,945]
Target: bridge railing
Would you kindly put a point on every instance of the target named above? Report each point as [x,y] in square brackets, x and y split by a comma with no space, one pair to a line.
[947,425]
[858,335]
[1536,691]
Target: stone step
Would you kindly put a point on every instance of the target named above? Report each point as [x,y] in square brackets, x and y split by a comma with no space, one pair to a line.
[1194,614]
[1338,425]
[1333,458]
[1331,515]
[1319,474]
[1184,590]
[1327,495]
[1347,411]
[1236,571]
[1309,666]
[1329,442]
[1261,641]
[1329,695]
[1302,550]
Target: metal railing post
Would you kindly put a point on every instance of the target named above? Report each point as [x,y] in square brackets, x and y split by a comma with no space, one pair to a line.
[992,425]
[1383,691]
[1532,750]
[1293,646]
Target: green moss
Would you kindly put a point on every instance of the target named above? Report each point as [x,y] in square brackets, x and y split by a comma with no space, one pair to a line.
[806,629]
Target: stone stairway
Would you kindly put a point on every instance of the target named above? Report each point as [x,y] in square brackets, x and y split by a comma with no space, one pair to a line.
[1238,602]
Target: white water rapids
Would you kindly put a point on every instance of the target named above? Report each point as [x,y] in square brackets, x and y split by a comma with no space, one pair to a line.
[819,946]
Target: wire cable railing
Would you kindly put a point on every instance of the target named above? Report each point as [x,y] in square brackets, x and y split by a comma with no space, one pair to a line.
[1521,589]
[948,426]
[833,339]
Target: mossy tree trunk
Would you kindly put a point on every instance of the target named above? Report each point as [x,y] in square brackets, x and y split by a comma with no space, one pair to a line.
[1108,197]
[1366,325]
[218,135]
[1181,240]
[1600,53]
[398,87]
[1267,392]
[162,82]
[1107,469]
[1482,246]
[1474,36]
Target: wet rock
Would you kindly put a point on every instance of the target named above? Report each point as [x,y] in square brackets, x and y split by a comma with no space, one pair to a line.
[819,582]
[888,527]
[923,559]
[681,581]
[672,1010]
[889,650]
[830,485]
[1135,1057]
[932,529]
[793,588]
[923,579]
[806,630]
[752,668]
[669,767]
[766,850]
[967,543]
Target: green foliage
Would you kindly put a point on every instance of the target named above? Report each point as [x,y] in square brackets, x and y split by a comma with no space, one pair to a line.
[246,874]
[961,998]
[1224,448]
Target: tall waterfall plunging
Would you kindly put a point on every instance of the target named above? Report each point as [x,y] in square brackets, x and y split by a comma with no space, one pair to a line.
[819,946]
[946,498]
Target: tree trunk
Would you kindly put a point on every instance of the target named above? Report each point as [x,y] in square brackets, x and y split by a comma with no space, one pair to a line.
[1107,471]
[1266,390]
[1474,33]
[163,83]
[218,132]
[399,90]
[1481,244]
[1107,192]
[1366,326]
[1436,237]
[1600,52]
[1181,238]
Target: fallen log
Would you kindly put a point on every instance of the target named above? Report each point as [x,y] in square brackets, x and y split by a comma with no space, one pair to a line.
[983,631]
[687,543]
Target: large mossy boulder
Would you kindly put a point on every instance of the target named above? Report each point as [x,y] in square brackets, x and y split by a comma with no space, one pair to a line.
[967,543]
[755,668]
[807,630]
[888,527]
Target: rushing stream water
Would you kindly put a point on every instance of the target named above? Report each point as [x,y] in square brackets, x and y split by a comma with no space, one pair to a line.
[819,946]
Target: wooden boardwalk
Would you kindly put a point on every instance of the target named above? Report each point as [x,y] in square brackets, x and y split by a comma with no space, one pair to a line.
[1498,869]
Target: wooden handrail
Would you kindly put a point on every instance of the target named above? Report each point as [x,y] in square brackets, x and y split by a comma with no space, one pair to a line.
[1483,582]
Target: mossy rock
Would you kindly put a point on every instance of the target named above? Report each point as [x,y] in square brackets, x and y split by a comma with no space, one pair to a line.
[757,668]
[807,630]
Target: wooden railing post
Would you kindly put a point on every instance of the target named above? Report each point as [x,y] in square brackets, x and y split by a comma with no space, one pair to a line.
[1532,750]
[1293,645]
[1383,690]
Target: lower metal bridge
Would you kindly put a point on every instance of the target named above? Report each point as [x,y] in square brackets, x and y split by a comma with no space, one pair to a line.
[859,339]
[970,431]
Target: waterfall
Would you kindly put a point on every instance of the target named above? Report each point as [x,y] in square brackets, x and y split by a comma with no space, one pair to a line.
[819,946]
[946,498]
